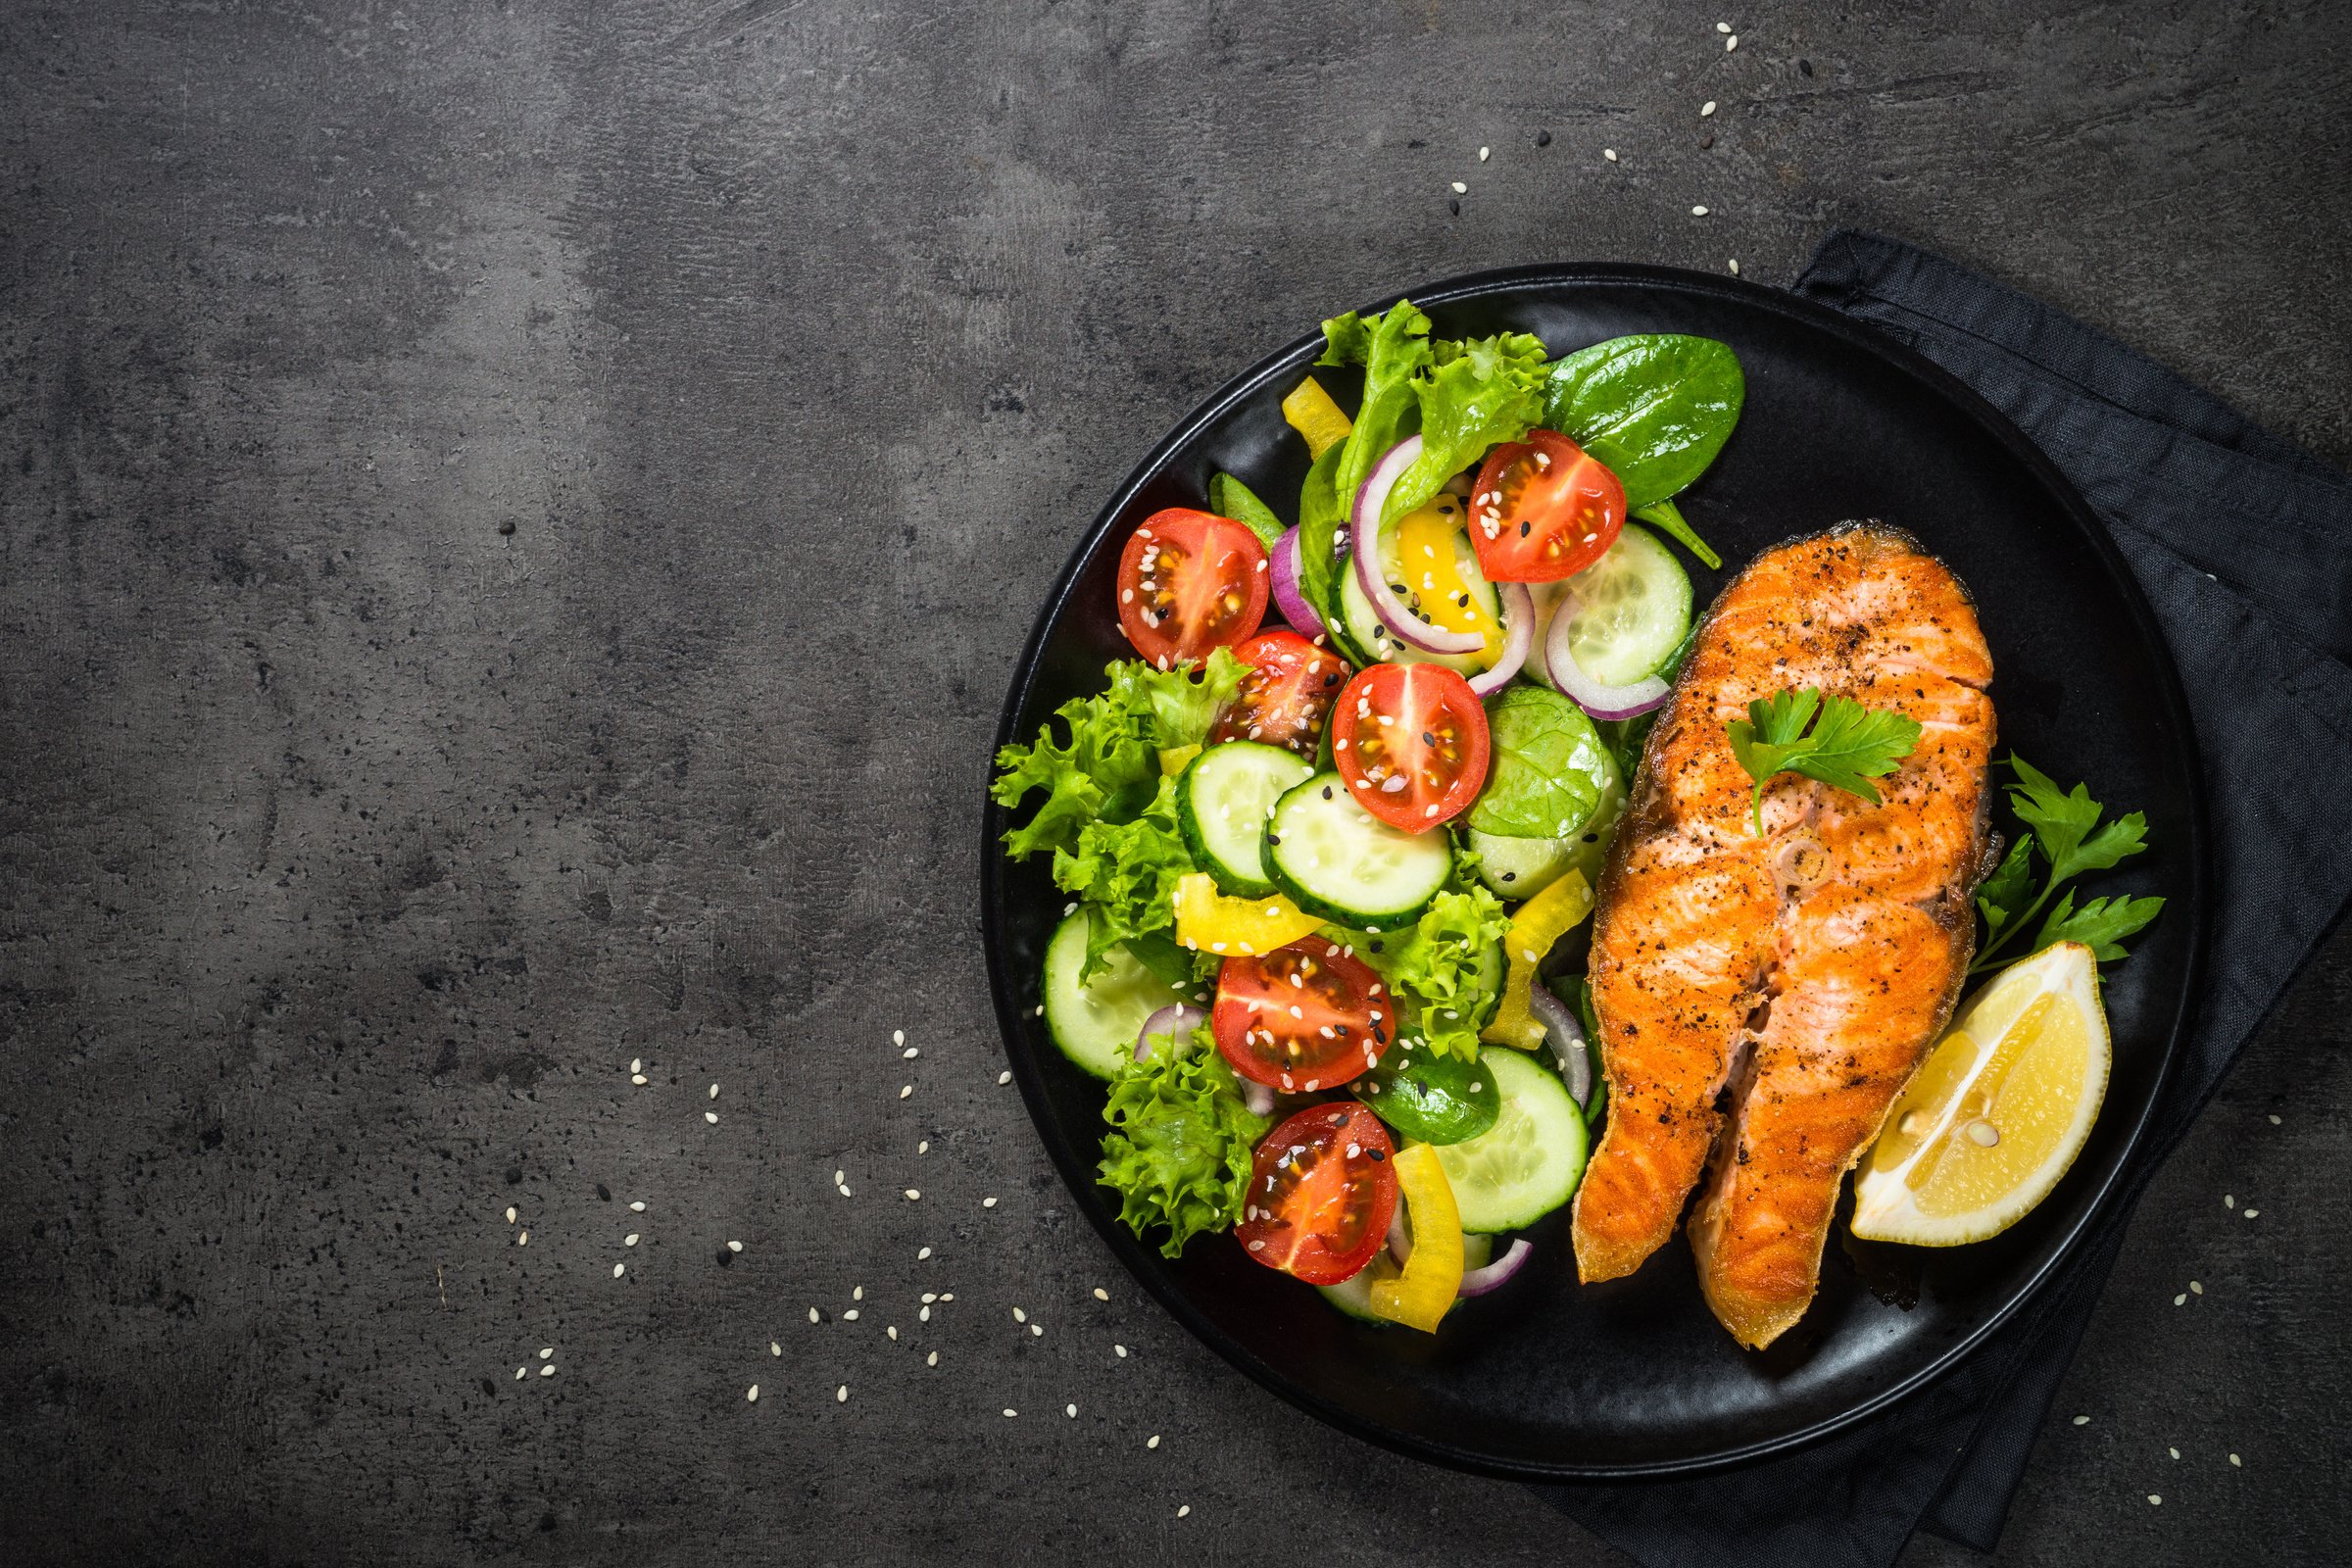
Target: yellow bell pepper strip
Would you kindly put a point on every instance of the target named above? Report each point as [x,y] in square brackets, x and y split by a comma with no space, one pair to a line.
[1207,918]
[1421,1295]
[1173,759]
[1541,921]
[1426,559]
[1313,414]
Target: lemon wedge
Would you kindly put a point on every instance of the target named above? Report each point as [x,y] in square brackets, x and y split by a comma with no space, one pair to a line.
[1999,1111]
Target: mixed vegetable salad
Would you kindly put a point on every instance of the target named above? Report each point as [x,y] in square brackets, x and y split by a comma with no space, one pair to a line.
[1314,867]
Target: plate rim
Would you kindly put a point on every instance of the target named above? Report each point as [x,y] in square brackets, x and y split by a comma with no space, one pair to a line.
[1077,1172]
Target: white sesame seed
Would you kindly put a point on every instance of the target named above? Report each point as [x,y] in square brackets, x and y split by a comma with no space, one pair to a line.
[2273,1121]
[773,1349]
[923,1147]
[1123,1349]
[947,1296]
[714,1090]
[734,1246]
[2081,1420]
[840,1176]
[629,1239]
[637,1207]
[845,1191]
[924,1254]
[2236,1461]
[523,1239]
[1699,211]
[1611,153]
[893,1332]
[547,1371]
[913,1194]
[1070,1410]
[897,1037]
[1706,109]
[1460,189]
[856,1292]
[619,1269]
[509,1213]
[910,1053]
[1482,154]
[1037,1330]
[905,1090]
[1019,1316]
[1181,1512]
[923,1315]
[2251,1212]
[2154,1500]
[988,1203]
[518,1373]
[751,1393]
[1730,43]
[1041,1010]
[850,1316]
[711,1116]
[2228,1200]
[1723,27]
[547,1353]
[2181,1299]
[2195,1288]
[841,1395]
[1152,1442]
[1011,1412]
[929,1297]
[639,1079]
[813,1314]
[1101,1295]
[636,1065]
[1004,1077]
[1735,267]
[2175,1452]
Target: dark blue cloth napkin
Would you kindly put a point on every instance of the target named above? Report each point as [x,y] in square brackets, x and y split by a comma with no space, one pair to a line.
[2243,546]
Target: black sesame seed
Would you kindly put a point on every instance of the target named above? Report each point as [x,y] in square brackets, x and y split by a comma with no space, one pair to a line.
[726,1258]
[1454,205]
[1511,876]
[1525,529]
[1804,67]
[1376,1154]
[1542,138]
[1327,792]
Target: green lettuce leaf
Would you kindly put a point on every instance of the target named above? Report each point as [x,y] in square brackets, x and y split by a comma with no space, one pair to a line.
[1475,394]
[1392,347]
[1443,973]
[1105,769]
[1547,766]
[1127,872]
[1179,1149]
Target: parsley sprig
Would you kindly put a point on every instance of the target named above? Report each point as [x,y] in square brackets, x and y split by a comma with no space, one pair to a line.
[1851,745]
[2065,826]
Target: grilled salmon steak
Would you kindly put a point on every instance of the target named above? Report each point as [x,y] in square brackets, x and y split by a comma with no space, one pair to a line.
[1767,997]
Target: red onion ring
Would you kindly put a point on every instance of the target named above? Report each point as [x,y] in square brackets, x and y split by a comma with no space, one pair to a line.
[1518,636]
[1594,698]
[1566,1034]
[1287,597]
[1479,1281]
[1401,1238]
[1259,1098]
[1366,529]
[1177,1021]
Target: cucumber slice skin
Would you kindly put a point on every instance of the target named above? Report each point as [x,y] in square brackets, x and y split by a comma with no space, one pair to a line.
[1321,813]
[1244,778]
[1535,1109]
[1087,1021]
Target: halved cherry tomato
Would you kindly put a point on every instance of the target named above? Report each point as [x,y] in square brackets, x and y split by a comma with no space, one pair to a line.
[1287,694]
[1190,581]
[1321,1193]
[1303,1017]
[1541,509]
[1411,742]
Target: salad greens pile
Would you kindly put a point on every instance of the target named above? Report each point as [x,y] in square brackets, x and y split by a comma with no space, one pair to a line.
[1178,1149]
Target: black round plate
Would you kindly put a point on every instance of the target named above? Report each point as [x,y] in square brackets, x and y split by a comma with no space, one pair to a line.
[1549,1379]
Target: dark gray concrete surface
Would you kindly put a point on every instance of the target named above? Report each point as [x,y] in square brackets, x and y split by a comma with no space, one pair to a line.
[518,519]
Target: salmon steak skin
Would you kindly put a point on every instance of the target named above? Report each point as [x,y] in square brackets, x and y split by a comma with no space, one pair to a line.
[1763,998]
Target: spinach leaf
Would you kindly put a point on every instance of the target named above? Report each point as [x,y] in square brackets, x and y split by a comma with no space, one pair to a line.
[1547,766]
[1668,519]
[1435,1098]
[1228,497]
[1655,408]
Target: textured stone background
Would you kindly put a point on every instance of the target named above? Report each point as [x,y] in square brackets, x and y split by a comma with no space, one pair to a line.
[517,520]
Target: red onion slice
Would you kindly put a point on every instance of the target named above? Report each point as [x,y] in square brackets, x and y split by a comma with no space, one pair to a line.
[1593,697]
[1366,529]
[1177,1021]
[1518,636]
[1256,1096]
[1479,1281]
[1287,597]
[1401,1238]
[1566,1034]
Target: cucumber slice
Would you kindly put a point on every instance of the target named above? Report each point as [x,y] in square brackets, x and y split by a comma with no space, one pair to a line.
[1223,804]
[1366,629]
[1529,1163]
[1353,1295]
[1095,1022]
[1632,609]
[1338,862]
